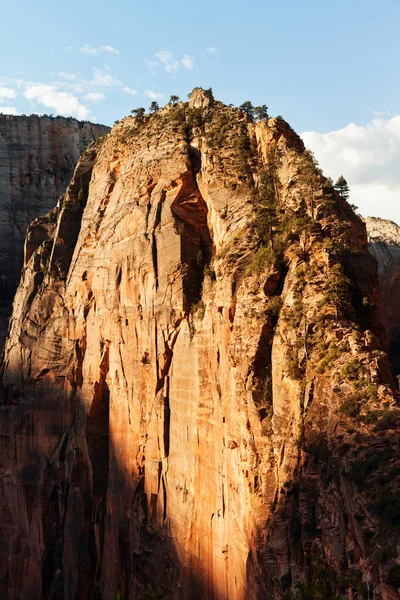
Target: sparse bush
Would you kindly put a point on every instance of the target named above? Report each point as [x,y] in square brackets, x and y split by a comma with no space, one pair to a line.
[275,305]
[351,370]
[263,258]
[198,309]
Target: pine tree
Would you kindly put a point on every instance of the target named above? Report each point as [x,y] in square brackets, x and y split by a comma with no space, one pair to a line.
[174,99]
[154,107]
[337,291]
[342,188]
[248,109]
[261,112]
[139,114]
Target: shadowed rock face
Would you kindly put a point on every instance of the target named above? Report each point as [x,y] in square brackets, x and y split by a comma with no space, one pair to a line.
[384,244]
[192,397]
[38,156]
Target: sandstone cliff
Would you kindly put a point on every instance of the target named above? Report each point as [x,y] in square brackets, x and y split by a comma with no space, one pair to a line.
[384,244]
[196,387]
[38,156]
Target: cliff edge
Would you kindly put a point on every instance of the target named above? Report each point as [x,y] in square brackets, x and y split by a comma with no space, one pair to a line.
[196,388]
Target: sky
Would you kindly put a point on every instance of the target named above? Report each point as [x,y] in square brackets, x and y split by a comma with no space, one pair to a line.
[331,69]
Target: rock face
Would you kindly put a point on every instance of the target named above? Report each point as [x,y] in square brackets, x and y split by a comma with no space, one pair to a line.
[38,156]
[384,244]
[196,390]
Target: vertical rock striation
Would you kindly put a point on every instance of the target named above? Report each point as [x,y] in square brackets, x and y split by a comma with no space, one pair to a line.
[196,389]
[38,156]
[384,244]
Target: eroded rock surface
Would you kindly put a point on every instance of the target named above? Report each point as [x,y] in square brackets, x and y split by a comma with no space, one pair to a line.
[38,156]
[384,244]
[196,390]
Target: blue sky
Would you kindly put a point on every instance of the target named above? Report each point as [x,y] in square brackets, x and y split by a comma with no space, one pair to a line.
[322,65]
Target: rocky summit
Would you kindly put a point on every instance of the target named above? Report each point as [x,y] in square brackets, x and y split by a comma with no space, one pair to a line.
[197,394]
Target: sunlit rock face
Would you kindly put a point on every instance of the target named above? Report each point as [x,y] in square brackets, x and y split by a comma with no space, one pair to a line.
[179,384]
[38,156]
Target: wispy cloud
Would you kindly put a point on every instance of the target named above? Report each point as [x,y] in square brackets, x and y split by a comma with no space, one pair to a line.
[63,103]
[129,91]
[166,58]
[94,97]
[169,62]
[187,61]
[207,52]
[105,80]
[69,76]
[6,94]
[153,95]
[369,158]
[86,49]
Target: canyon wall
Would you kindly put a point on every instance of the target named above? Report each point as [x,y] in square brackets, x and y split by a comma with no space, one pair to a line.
[38,156]
[196,391]
[384,244]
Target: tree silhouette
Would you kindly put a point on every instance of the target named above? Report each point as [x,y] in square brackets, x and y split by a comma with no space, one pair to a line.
[342,188]
[174,99]
[261,112]
[139,113]
[248,109]
[154,107]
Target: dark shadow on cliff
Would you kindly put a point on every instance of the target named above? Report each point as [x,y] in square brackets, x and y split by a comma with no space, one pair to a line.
[75,522]
[338,512]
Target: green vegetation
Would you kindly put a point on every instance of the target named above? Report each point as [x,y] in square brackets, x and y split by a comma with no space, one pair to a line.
[154,107]
[198,309]
[337,290]
[151,594]
[342,188]
[324,583]
[174,99]
[248,109]
[261,112]
[139,113]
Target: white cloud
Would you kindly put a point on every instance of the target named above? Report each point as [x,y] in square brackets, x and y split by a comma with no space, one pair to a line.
[86,49]
[110,49]
[63,103]
[151,64]
[129,91]
[166,58]
[153,95]
[209,52]
[105,80]
[94,97]
[6,94]
[187,61]
[69,76]
[8,110]
[369,158]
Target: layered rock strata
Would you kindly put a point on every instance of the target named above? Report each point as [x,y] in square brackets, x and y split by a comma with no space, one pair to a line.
[196,387]
[38,156]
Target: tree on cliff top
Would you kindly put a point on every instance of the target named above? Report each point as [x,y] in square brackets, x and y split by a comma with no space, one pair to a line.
[261,112]
[342,188]
[248,109]
[154,107]
[139,113]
